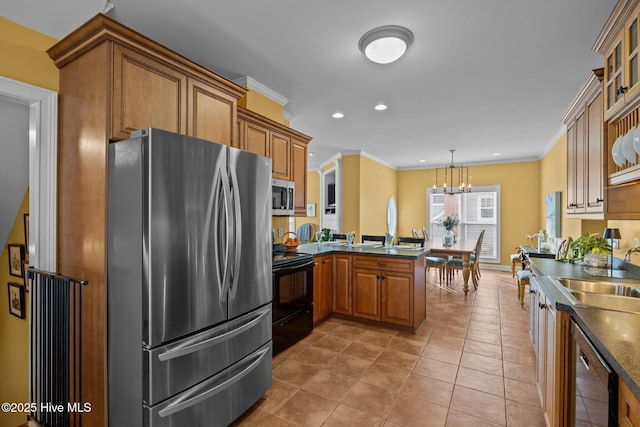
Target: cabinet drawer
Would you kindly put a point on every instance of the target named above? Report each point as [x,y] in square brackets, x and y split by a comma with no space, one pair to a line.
[387,264]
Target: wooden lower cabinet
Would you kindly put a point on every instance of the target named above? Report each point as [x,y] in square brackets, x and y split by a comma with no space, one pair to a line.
[341,286]
[397,298]
[551,349]
[366,294]
[322,280]
[628,407]
[390,290]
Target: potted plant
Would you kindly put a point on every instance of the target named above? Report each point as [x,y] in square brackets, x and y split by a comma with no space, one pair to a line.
[591,248]
[448,238]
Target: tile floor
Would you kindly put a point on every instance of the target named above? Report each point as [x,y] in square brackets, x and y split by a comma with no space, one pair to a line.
[471,364]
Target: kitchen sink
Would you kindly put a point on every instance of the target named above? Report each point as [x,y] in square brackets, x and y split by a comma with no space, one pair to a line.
[619,296]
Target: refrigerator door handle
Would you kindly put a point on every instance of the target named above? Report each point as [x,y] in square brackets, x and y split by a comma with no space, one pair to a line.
[189,348]
[212,209]
[237,228]
[185,402]
[224,262]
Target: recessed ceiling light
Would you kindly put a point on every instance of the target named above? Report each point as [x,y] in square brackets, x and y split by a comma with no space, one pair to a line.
[496,154]
[422,160]
[386,44]
[311,153]
[337,115]
[380,107]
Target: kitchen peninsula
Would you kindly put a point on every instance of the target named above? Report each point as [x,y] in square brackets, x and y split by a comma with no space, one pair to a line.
[369,283]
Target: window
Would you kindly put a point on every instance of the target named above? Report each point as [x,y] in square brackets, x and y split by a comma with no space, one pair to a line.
[477,211]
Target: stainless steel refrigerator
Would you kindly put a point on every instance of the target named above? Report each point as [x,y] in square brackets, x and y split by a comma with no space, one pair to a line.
[189,281]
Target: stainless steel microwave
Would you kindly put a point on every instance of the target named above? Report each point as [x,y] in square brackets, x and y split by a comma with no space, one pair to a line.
[282,197]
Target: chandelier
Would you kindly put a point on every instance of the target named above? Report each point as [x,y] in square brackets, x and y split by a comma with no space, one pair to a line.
[455,179]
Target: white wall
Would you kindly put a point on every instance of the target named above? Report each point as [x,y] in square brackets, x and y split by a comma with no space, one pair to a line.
[14,162]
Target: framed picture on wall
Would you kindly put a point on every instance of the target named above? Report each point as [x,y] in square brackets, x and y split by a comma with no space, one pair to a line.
[553,214]
[311,210]
[16,299]
[16,258]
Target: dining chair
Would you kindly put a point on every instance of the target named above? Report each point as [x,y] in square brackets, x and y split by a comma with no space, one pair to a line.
[371,238]
[306,232]
[430,261]
[454,264]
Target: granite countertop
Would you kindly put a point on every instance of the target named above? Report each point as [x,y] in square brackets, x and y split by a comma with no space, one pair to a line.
[324,248]
[615,334]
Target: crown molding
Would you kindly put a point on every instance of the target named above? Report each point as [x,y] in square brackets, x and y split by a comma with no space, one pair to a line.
[288,116]
[250,83]
[377,159]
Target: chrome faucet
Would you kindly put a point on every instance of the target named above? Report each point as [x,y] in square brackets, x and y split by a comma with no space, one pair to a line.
[627,256]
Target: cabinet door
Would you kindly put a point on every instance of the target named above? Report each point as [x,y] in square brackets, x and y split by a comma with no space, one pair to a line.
[613,78]
[628,407]
[211,113]
[146,93]
[571,169]
[366,293]
[397,298]
[594,160]
[280,155]
[299,175]
[542,347]
[550,364]
[256,139]
[341,286]
[322,273]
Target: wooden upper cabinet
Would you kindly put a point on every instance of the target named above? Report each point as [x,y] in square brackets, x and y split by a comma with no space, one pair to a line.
[212,113]
[257,139]
[299,175]
[280,155]
[146,93]
[613,78]
[585,150]
[286,147]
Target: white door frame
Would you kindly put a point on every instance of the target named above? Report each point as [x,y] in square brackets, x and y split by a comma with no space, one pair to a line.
[43,148]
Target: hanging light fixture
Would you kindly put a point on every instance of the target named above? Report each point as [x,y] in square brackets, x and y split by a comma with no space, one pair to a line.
[455,179]
[386,44]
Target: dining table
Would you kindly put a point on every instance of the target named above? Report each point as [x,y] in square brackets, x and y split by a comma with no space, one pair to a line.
[461,248]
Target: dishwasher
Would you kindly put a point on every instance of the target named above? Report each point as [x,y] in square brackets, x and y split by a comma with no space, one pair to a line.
[593,386]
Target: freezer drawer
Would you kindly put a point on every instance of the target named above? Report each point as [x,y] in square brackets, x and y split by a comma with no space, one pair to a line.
[218,400]
[175,367]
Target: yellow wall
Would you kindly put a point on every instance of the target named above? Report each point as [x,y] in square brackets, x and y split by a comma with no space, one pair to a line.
[14,332]
[260,104]
[350,202]
[313,196]
[377,183]
[520,199]
[628,230]
[24,56]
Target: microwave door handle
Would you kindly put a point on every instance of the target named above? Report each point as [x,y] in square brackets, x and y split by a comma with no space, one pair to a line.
[236,240]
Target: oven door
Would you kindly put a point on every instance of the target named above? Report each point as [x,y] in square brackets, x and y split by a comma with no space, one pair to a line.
[292,288]
[593,398]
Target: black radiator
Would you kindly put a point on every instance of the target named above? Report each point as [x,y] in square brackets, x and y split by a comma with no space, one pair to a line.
[55,353]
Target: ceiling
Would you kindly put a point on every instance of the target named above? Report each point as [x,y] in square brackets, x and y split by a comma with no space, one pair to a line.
[482,77]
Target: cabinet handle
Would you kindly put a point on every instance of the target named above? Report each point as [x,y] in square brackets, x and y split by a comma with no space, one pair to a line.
[382,277]
[542,306]
[621,90]
[599,200]
[573,205]
[532,291]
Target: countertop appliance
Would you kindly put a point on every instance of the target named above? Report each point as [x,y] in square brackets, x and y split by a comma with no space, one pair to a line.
[593,386]
[189,295]
[292,298]
[282,197]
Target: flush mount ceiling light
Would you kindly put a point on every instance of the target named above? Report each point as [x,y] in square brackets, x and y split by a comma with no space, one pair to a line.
[380,107]
[386,44]
[337,115]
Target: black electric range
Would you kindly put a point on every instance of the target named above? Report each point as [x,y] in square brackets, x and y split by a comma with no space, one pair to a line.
[292,298]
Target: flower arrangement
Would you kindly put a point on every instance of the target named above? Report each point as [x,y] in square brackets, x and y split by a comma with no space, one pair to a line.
[449,222]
